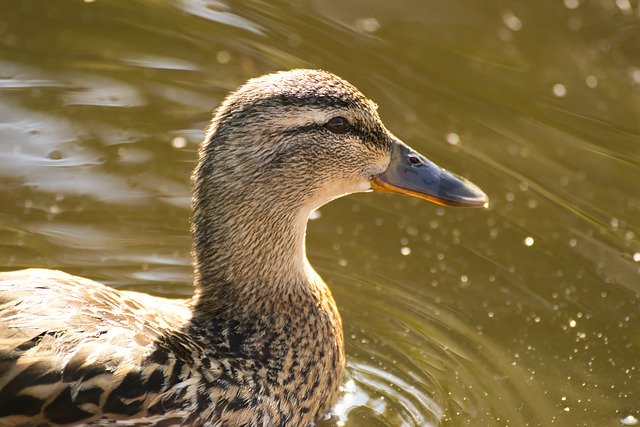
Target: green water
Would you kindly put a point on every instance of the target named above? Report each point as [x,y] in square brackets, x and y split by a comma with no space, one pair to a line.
[523,314]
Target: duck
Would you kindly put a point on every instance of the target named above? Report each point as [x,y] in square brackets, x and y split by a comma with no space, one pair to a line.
[260,342]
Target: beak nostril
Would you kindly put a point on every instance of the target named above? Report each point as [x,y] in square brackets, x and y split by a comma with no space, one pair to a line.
[414,160]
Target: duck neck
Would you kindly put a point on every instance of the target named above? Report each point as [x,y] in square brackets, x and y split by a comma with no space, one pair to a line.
[257,299]
[249,257]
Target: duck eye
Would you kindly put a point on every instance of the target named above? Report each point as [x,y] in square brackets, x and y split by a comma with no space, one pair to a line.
[338,125]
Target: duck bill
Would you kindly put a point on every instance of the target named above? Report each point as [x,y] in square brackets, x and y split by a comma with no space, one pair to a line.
[412,174]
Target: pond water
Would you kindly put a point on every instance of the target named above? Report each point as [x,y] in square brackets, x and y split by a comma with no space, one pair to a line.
[526,313]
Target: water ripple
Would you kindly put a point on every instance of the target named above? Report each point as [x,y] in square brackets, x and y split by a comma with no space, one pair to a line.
[218,11]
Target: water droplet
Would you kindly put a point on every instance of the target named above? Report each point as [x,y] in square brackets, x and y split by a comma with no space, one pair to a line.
[591,81]
[367,25]
[636,257]
[572,323]
[405,250]
[529,241]
[513,22]
[624,5]
[571,4]
[179,142]
[559,90]
[315,215]
[453,138]
[223,57]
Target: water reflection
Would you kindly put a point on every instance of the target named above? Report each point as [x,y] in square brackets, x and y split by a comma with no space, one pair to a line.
[523,314]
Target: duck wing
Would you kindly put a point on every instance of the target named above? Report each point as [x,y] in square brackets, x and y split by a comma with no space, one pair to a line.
[73,350]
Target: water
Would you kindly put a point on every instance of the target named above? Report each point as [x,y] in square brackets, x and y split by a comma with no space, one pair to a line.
[522,314]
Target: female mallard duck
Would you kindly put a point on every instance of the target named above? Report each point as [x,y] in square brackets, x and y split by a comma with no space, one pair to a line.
[260,342]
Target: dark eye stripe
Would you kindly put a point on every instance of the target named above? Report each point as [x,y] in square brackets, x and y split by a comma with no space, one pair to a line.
[368,136]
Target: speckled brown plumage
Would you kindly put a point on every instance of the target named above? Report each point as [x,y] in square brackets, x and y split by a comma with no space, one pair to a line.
[261,341]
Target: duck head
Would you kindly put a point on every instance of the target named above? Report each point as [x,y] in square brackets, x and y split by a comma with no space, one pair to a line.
[314,136]
[286,143]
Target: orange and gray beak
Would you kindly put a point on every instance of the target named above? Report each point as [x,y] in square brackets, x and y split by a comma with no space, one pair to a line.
[413,174]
